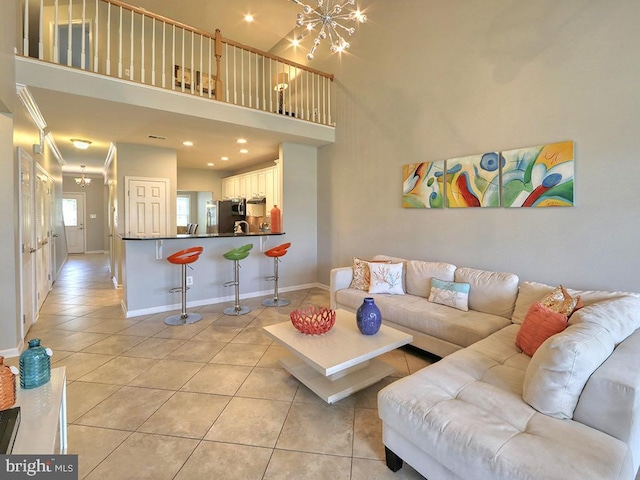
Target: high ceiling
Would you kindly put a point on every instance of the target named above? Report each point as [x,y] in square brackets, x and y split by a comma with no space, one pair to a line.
[70,116]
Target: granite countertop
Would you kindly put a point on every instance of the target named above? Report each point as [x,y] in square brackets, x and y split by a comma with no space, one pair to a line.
[203,235]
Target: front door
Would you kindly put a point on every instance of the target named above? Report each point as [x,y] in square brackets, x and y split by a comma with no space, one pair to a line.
[73,215]
[27,224]
[147,212]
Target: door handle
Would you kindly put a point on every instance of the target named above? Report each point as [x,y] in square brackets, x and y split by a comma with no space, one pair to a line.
[55,235]
[32,250]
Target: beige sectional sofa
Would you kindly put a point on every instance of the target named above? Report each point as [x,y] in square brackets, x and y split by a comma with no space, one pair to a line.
[488,411]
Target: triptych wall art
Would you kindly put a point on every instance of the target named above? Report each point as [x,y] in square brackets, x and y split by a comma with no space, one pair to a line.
[540,176]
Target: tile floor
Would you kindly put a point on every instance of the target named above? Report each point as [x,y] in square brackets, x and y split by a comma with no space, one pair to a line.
[208,400]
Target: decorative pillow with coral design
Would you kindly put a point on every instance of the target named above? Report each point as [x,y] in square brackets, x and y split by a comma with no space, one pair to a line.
[386,278]
[361,274]
[451,294]
[559,300]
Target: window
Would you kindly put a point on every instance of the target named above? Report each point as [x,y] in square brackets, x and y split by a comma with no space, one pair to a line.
[183,210]
[70,212]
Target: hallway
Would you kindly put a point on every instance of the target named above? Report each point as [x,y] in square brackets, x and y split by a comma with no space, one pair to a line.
[207,400]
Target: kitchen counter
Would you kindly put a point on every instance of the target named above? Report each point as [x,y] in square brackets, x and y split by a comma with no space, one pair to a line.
[147,276]
[203,235]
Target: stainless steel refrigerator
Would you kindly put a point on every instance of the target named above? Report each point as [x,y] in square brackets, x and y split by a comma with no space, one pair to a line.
[223,214]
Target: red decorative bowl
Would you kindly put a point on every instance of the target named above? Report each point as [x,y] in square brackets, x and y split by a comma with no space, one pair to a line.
[313,320]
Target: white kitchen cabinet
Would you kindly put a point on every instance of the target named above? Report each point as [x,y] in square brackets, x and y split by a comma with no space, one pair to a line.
[243,190]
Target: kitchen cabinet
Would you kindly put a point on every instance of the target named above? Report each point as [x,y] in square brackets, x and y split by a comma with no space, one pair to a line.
[259,183]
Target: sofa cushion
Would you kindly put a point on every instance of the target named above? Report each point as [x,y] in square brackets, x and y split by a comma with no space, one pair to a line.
[466,412]
[491,292]
[619,316]
[419,275]
[532,292]
[560,368]
[417,313]
[539,324]
[451,294]
[386,278]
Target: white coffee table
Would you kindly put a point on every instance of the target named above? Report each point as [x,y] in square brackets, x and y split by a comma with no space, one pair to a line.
[340,362]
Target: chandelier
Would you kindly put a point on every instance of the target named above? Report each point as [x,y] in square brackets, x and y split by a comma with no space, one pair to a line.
[82,181]
[332,18]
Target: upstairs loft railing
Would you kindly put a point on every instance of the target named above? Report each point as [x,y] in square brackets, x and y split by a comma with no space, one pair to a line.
[112,38]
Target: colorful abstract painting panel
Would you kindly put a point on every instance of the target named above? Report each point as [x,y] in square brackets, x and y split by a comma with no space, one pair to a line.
[473,181]
[423,185]
[541,176]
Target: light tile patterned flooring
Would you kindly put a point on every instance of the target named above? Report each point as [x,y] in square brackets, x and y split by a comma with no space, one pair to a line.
[203,401]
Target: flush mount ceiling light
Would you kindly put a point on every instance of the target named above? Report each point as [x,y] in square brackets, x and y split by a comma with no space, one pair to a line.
[224,159]
[82,181]
[332,18]
[81,144]
[241,140]
[187,144]
[248,18]
[210,164]
[244,150]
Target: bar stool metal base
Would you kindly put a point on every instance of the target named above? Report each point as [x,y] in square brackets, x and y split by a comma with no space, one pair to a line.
[178,319]
[236,310]
[276,302]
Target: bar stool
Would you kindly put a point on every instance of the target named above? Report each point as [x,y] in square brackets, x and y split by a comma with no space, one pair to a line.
[276,253]
[236,255]
[184,258]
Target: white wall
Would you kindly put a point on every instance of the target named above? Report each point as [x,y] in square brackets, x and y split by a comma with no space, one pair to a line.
[431,81]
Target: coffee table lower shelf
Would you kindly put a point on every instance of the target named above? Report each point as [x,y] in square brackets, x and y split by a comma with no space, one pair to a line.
[336,387]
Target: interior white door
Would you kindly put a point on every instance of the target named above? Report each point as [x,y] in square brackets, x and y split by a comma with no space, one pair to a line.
[27,234]
[43,199]
[148,209]
[73,215]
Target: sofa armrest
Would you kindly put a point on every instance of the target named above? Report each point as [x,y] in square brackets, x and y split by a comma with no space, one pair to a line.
[339,279]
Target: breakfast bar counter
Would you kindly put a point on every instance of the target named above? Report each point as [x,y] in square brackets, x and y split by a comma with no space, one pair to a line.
[147,276]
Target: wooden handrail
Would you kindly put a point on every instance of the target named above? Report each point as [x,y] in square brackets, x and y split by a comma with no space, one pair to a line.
[214,36]
[277,58]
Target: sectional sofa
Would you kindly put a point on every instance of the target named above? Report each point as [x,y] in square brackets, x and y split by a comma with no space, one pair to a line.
[489,411]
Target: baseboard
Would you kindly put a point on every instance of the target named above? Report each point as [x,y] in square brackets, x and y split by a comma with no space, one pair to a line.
[114,280]
[11,352]
[214,300]
[90,252]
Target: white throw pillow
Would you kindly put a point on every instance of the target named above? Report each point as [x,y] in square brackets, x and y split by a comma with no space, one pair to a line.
[386,278]
[560,368]
[451,294]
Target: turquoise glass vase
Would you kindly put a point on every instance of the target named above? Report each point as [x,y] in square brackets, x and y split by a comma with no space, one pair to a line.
[368,317]
[35,365]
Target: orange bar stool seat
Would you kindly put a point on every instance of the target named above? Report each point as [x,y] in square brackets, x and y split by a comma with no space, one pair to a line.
[236,255]
[184,258]
[276,253]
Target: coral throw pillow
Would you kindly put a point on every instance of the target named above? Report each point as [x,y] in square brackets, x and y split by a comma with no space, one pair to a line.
[540,323]
[361,274]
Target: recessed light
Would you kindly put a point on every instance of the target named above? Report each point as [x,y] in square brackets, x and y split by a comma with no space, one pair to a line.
[81,144]
[188,144]
[244,150]
[224,159]
[248,18]
[209,164]
[241,140]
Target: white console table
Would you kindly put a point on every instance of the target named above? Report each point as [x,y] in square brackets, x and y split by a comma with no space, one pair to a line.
[43,416]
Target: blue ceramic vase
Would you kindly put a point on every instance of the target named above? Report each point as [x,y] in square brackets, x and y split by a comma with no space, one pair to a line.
[35,365]
[368,317]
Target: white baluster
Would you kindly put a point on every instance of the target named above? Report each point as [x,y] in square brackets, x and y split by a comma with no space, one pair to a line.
[69,34]
[153,52]
[83,52]
[108,69]
[212,83]
[182,63]
[173,58]
[329,100]
[201,69]
[164,52]
[41,32]
[131,47]
[96,41]
[226,70]
[56,34]
[142,57]
[257,85]
[270,85]
[120,46]
[235,77]
[25,34]
[193,69]
[242,74]
[250,84]
[307,94]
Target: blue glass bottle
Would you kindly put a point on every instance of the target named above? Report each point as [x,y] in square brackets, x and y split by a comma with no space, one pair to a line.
[35,365]
[368,317]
